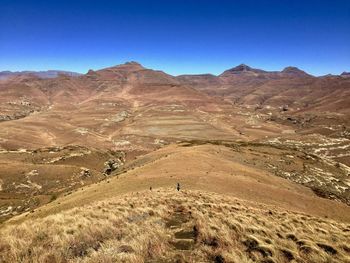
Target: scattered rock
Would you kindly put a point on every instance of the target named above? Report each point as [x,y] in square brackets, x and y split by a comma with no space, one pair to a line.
[85,172]
[285,108]
[159,142]
[219,259]
[82,130]
[121,143]
[327,248]
[119,117]
[287,254]
[33,173]
[183,244]
[125,249]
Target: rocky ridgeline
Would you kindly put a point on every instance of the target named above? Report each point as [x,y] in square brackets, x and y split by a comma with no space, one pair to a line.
[16,115]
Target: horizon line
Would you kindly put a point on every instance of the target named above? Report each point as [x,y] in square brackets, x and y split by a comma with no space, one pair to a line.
[175,75]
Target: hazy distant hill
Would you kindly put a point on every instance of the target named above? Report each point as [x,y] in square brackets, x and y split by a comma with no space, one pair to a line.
[41,74]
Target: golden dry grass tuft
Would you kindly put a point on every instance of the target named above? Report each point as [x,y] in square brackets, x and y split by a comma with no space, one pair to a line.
[167,226]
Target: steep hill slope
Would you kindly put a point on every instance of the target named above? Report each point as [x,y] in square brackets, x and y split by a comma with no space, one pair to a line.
[251,172]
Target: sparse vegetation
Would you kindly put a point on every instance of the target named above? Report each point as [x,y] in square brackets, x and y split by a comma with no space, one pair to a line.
[53,197]
[165,225]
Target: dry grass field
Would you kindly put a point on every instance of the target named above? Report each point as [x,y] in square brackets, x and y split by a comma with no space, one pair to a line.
[163,225]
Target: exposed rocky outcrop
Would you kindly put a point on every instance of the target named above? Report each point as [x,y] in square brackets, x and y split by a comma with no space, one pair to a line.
[113,164]
[5,118]
[16,115]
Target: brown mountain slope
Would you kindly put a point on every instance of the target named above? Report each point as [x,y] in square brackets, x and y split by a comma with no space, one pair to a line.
[125,105]
[291,87]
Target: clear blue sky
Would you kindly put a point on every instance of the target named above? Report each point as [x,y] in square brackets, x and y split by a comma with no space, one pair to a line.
[175,36]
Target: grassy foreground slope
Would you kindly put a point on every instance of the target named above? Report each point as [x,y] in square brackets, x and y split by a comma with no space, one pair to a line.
[233,207]
[244,173]
[164,225]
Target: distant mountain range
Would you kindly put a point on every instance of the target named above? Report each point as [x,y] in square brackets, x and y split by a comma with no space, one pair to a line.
[41,74]
[240,69]
[248,70]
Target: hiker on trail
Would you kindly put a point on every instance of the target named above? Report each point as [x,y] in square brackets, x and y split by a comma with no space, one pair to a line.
[178,186]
